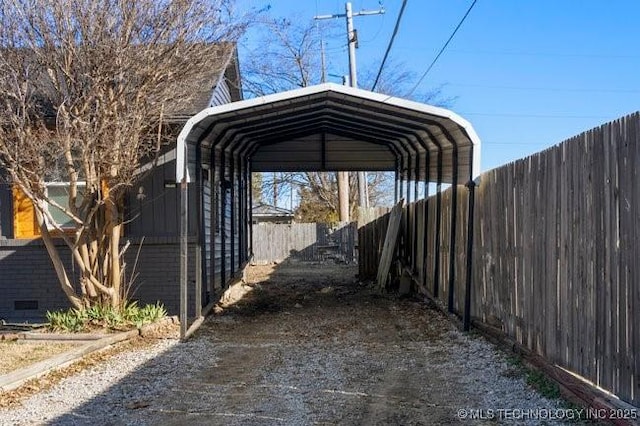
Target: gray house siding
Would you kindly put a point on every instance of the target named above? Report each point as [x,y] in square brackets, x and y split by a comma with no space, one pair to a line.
[221,94]
[158,271]
[30,287]
[153,205]
[27,278]
[27,275]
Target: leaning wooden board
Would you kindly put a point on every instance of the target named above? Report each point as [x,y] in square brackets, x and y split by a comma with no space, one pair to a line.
[389,247]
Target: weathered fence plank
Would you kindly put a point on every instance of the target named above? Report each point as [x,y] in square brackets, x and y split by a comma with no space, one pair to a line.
[372,226]
[390,240]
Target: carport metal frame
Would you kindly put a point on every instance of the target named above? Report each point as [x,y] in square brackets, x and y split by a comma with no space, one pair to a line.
[315,124]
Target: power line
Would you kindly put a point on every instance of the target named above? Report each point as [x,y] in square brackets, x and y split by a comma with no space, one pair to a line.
[393,37]
[443,48]
[485,143]
[547,89]
[551,54]
[375,36]
[558,116]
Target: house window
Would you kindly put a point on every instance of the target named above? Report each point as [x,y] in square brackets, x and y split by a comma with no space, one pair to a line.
[59,193]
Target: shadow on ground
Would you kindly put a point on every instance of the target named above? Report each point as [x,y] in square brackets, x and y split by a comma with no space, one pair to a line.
[309,344]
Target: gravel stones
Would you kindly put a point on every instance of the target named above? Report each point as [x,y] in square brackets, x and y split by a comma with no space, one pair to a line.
[345,357]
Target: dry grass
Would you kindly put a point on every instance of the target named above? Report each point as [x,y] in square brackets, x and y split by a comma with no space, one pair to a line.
[165,329]
[16,355]
[14,397]
[258,273]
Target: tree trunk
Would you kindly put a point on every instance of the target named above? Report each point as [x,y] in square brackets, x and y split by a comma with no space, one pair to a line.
[114,227]
[343,195]
[66,285]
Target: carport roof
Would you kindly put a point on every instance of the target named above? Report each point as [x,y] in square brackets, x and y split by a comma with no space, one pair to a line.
[333,127]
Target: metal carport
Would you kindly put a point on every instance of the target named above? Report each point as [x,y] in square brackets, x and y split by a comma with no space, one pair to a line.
[327,127]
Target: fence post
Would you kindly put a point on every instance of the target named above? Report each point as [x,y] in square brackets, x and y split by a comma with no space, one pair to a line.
[466,318]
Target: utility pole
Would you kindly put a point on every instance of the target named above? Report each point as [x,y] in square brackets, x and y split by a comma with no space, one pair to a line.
[352,38]
[275,190]
[323,62]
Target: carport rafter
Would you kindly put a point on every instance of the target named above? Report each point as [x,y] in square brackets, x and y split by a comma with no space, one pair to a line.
[300,128]
[336,130]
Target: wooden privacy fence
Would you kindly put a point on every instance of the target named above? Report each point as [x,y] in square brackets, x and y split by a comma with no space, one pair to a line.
[304,241]
[556,253]
[372,227]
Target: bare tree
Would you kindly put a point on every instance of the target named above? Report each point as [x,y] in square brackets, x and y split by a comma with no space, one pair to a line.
[86,90]
[317,192]
[287,56]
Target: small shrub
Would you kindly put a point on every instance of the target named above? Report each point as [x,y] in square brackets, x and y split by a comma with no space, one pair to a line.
[94,313]
[131,312]
[155,312]
[72,320]
[129,316]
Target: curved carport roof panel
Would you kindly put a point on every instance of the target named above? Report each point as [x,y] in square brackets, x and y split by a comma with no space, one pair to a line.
[333,127]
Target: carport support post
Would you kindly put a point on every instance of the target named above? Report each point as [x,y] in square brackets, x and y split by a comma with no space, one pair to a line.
[234,216]
[425,243]
[250,211]
[416,178]
[184,246]
[436,255]
[452,236]
[452,252]
[396,188]
[200,233]
[466,318]
[223,220]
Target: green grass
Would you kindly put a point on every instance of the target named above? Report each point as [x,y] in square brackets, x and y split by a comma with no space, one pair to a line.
[540,382]
[544,386]
[534,378]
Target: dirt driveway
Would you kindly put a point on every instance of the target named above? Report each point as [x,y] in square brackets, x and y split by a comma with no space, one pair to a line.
[310,345]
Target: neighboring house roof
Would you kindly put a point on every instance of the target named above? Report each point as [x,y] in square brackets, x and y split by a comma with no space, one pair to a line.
[267,210]
[220,84]
[223,77]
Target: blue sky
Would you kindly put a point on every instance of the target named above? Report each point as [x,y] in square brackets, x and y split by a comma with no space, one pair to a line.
[526,74]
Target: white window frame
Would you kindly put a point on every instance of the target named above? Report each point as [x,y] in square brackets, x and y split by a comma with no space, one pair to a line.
[52,226]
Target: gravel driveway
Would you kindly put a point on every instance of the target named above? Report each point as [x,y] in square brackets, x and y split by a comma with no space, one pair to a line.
[307,344]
